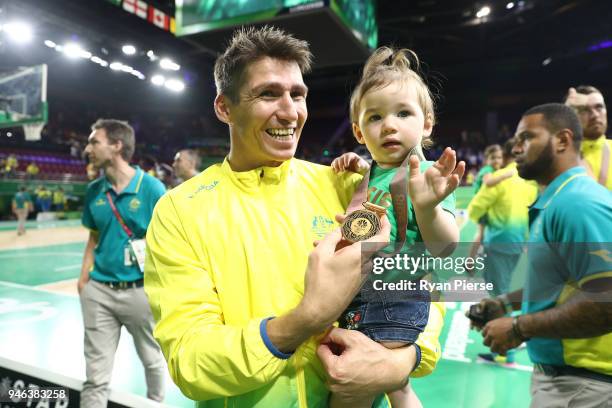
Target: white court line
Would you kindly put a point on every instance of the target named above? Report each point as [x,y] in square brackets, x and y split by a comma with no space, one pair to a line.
[56,282]
[34,288]
[65,268]
[55,254]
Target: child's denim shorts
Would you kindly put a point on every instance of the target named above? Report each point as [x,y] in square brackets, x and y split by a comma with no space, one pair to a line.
[384,316]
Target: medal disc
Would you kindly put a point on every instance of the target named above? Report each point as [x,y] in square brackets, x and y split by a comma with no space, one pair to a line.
[360,225]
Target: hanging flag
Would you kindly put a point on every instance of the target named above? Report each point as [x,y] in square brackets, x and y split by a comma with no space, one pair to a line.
[147,12]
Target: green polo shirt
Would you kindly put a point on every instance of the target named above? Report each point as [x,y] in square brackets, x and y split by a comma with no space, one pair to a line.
[480,176]
[21,199]
[135,205]
[569,245]
[379,192]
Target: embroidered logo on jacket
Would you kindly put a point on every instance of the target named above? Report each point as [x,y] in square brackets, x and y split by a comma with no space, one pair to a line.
[321,225]
[205,187]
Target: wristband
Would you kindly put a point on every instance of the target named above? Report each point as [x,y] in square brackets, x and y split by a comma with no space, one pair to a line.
[263,331]
[517,330]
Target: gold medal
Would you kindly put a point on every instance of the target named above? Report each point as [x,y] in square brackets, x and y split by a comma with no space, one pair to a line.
[363,224]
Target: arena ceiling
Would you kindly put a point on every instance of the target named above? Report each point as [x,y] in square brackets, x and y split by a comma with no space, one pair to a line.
[532,44]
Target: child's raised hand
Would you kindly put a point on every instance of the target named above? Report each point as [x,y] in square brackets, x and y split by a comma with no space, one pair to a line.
[428,189]
[350,162]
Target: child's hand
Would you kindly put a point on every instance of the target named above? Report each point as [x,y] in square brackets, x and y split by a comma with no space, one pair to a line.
[428,189]
[352,162]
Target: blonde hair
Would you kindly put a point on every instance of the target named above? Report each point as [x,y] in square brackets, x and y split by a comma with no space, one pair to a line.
[387,65]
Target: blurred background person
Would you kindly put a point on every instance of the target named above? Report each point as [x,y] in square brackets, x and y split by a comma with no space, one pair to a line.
[22,205]
[186,164]
[59,199]
[32,171]
[589,104]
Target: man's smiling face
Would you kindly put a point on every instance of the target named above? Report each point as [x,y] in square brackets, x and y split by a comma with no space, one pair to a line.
[267,119]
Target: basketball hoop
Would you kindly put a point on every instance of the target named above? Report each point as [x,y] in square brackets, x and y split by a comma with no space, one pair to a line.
[33,131]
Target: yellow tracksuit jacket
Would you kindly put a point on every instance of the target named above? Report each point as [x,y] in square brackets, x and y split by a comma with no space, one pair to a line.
[227,249]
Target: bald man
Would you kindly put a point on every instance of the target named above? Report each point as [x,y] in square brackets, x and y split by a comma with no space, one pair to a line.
[186,164]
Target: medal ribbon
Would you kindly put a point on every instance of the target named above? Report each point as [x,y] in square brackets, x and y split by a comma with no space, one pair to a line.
[399,197]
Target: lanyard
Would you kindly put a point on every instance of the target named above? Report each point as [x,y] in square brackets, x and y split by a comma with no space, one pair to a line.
[127,230]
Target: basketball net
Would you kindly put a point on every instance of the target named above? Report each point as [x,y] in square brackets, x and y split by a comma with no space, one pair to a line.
[33,131]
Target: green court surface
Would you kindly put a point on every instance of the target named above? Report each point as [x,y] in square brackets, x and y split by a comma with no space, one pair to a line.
[41,265]
[44,330]
[12,225]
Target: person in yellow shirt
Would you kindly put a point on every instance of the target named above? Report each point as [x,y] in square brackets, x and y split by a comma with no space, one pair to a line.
[11,165]
[32,170]
[240,304]
[505,206]
[596,149]
[58,199]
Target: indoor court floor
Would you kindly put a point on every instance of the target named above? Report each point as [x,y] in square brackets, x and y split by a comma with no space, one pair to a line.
[41,332]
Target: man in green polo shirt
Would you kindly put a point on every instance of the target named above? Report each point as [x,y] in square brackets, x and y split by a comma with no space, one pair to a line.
[22,204]
[566,300]
[118,209]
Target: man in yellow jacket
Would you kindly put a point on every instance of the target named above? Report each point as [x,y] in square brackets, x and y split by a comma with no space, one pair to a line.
[505,206]
[240,304]
[596,149]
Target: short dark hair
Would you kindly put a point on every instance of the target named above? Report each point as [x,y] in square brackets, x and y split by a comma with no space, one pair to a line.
[193,155]
[249,44]
[558,116]
[118,130]
[585,90]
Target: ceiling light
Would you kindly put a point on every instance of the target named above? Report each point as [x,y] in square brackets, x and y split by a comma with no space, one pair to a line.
[510,5]
[175,85]
[72,50]
[167,63]
[158,80]
[50,44]
[116,66]
[483,12]
[128,49]
[18,31]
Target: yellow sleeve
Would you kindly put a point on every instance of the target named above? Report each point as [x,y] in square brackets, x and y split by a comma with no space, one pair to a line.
[429,340]
[482,201]
[206,358]
[345,185]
